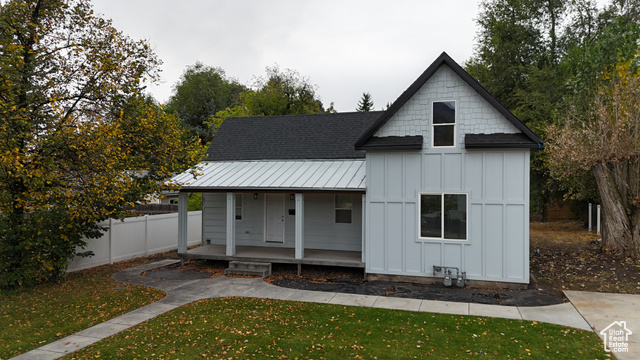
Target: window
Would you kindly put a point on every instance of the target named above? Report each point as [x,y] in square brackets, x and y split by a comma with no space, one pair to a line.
[344,205]
[444,123]
[443,216]
[238,206]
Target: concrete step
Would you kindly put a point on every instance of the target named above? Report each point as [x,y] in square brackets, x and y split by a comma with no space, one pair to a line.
[248,268]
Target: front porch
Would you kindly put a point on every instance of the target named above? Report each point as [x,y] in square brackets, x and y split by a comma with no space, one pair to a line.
[277,255]
[320,228]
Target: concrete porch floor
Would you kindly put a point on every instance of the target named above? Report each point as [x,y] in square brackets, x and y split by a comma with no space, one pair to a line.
[277,255]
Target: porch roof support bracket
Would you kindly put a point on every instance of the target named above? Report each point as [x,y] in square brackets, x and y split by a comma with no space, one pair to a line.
[231,224]
[299,238]
[182,222]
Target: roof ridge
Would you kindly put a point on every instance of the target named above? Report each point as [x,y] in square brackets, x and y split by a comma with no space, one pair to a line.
[364,113]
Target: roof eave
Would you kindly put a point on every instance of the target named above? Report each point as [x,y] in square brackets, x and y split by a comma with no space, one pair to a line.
[503,145]
[271,190]
[390,147]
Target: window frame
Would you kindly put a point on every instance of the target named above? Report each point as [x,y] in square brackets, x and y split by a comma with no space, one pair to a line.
[336,208]
[454,124]
[442,218]
[241,206]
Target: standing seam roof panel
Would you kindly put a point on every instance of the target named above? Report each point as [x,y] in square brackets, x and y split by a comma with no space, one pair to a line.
[296,175]
[241,172]
[326,176]
[283,171]
[348,175]
[256,174]
[313,180]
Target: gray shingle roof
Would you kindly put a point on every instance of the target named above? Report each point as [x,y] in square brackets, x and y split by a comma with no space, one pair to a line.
[316,136]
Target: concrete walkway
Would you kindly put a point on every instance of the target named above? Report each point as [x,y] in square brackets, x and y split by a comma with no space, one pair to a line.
[181,292]
[603,309]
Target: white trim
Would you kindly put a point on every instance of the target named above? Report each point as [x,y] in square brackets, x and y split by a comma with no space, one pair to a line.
[364,227]
[455,125]
[299,226]
[241,207]
[231,224]
[183,199]
[335,209]
[442,238]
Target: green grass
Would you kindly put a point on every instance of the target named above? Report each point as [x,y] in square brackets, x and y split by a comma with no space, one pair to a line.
[245,328]
[30,318]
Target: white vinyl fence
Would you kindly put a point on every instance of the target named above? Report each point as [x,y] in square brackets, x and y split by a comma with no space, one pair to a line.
[138,236]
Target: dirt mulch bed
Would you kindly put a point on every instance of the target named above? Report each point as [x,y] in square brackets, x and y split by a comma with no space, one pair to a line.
[351,281]
[564,256]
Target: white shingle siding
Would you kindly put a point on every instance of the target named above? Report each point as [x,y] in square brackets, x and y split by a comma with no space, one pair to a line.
[474,115]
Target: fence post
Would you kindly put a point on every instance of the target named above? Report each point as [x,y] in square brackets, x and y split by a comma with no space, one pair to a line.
[598,219]
[590,217]
[146,235]
[110,241]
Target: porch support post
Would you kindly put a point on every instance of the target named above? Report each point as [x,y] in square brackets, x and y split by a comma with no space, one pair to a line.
[299,226]
[364,226]
[231,224]
[183,199]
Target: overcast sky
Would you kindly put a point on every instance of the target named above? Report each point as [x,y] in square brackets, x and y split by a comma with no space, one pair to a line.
[344,47]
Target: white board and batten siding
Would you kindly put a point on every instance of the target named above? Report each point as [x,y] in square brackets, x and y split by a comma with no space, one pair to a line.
[497,245]
[320,229]
[496,183]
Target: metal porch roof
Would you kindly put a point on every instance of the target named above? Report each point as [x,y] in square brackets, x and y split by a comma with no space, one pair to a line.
[311,175]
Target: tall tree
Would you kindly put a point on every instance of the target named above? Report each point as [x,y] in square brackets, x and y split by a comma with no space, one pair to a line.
[281,92]
[365,104]
[68,159]
[509,42]
[520,44]
[605,141]
[201,92]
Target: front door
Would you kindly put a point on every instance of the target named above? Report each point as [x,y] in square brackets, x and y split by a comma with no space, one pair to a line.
[274,218]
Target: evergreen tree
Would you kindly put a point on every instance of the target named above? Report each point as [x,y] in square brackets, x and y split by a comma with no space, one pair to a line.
[365,104]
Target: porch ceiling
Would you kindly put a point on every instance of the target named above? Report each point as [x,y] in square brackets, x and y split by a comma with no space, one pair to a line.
[312,175]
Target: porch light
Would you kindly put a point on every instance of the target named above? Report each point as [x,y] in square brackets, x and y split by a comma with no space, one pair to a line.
[292,197]
[255,196]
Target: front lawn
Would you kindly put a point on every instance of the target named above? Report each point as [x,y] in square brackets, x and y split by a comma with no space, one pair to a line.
[30,318]
[242,328]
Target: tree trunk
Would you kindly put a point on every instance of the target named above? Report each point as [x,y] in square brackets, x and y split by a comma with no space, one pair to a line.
[620,223]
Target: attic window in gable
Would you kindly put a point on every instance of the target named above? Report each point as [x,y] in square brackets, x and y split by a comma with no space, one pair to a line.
[444,123]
